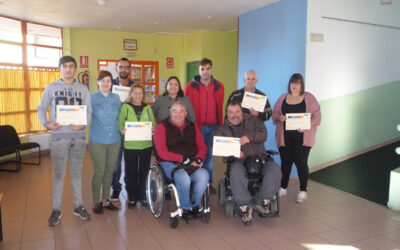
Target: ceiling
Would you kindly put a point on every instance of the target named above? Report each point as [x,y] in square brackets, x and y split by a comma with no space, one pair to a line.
[150,16]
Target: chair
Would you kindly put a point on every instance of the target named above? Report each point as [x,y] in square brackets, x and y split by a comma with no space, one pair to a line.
[10,144]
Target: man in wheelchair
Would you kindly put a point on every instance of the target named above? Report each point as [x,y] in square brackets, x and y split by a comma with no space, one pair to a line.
[252,133]
[181,151]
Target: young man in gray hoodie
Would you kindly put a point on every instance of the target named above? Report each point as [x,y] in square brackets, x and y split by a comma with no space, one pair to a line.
[66,141]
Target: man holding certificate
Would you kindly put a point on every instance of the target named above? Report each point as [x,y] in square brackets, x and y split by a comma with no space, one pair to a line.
[252,133]
[253,101]
[67,133]
[121,83]
[296,116]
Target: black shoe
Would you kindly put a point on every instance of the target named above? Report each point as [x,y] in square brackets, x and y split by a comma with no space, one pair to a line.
[98,208]
[115,195]
[110,206]
[197,211]
[187,215]
[131,204]
[212,190]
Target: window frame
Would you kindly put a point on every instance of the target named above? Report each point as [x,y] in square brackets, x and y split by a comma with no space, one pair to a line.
[26,68]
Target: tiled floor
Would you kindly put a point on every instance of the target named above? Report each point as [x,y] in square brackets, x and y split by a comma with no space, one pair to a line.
[330,219]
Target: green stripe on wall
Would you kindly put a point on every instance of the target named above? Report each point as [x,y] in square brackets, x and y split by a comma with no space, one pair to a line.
[356,121]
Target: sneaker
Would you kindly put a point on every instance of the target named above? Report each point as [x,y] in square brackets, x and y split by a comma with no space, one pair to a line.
[264,208]
[110,206]
[212,190]
[115,195]
[98,208]
[302,196]
[144,203]
[131,204]
[282,192]
[247,215]
[55,218]
[82,213]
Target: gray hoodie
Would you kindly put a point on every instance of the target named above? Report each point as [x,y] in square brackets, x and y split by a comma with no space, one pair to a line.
[60,93]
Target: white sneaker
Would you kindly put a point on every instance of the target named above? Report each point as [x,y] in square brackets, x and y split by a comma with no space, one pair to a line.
[282,192]
[302,196]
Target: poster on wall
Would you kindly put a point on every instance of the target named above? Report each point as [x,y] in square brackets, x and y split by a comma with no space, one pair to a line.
[84,61]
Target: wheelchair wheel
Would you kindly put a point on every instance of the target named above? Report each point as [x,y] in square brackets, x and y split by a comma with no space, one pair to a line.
[275,206]
[221,192]
[229,208]
[155,190]
[206,217]
[173,222]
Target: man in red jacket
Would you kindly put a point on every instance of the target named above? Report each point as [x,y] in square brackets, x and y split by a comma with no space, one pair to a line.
[207,97]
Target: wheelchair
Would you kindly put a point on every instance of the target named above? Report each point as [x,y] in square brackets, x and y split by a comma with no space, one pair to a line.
[225,196]
[158,186]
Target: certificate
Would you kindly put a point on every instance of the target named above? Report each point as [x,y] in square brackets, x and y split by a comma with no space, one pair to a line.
[71,114]
[296,121]
[255,101]
[122,91]
[138,131]
[226,146]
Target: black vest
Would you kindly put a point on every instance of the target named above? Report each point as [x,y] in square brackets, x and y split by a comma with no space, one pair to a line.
[181,142]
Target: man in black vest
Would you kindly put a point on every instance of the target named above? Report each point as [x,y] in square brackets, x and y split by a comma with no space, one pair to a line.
[178,140]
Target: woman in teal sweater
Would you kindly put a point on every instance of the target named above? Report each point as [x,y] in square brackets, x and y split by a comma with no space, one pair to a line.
[137,154]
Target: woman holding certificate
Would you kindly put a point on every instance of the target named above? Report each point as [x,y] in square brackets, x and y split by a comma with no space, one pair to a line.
[104,140]
[173,92]
[296,115]
[136,121]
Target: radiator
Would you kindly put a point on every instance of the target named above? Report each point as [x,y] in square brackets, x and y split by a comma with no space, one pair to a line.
[42,139]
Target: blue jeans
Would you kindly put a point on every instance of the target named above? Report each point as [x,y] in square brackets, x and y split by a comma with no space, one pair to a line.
[207,131]
[116,185]
[182,182]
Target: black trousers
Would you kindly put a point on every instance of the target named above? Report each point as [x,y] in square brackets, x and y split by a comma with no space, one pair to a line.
[294,152]
[137,164]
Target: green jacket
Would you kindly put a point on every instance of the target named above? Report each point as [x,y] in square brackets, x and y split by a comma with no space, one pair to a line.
[127,113]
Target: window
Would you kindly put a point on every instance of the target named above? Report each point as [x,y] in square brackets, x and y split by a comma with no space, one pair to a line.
[29,54]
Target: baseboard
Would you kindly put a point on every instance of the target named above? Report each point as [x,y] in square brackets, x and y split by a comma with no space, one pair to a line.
[345,158]
[26,156]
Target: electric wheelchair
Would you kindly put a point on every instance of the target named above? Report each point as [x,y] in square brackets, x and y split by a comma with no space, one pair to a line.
[225,195]
[158,186]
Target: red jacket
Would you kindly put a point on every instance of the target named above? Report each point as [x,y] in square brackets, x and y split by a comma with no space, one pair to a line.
[194,90]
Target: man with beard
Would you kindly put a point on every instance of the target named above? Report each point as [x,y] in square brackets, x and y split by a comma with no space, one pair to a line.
[252,133]
[123,70]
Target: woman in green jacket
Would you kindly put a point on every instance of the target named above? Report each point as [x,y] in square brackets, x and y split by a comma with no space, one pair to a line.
[137,154]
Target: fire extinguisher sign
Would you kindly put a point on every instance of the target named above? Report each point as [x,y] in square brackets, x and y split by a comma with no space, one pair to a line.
[84,60]
[170,62]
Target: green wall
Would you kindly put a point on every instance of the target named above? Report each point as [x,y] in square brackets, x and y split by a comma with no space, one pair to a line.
[221,47]
[356,121]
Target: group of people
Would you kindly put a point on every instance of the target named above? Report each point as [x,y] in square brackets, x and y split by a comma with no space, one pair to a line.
[183,125]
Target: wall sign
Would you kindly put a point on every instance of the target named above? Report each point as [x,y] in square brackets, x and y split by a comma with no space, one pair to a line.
[84,61]
[170,62]
[130,44]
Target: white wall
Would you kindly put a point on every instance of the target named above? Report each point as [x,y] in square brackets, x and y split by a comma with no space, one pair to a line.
[353,56]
